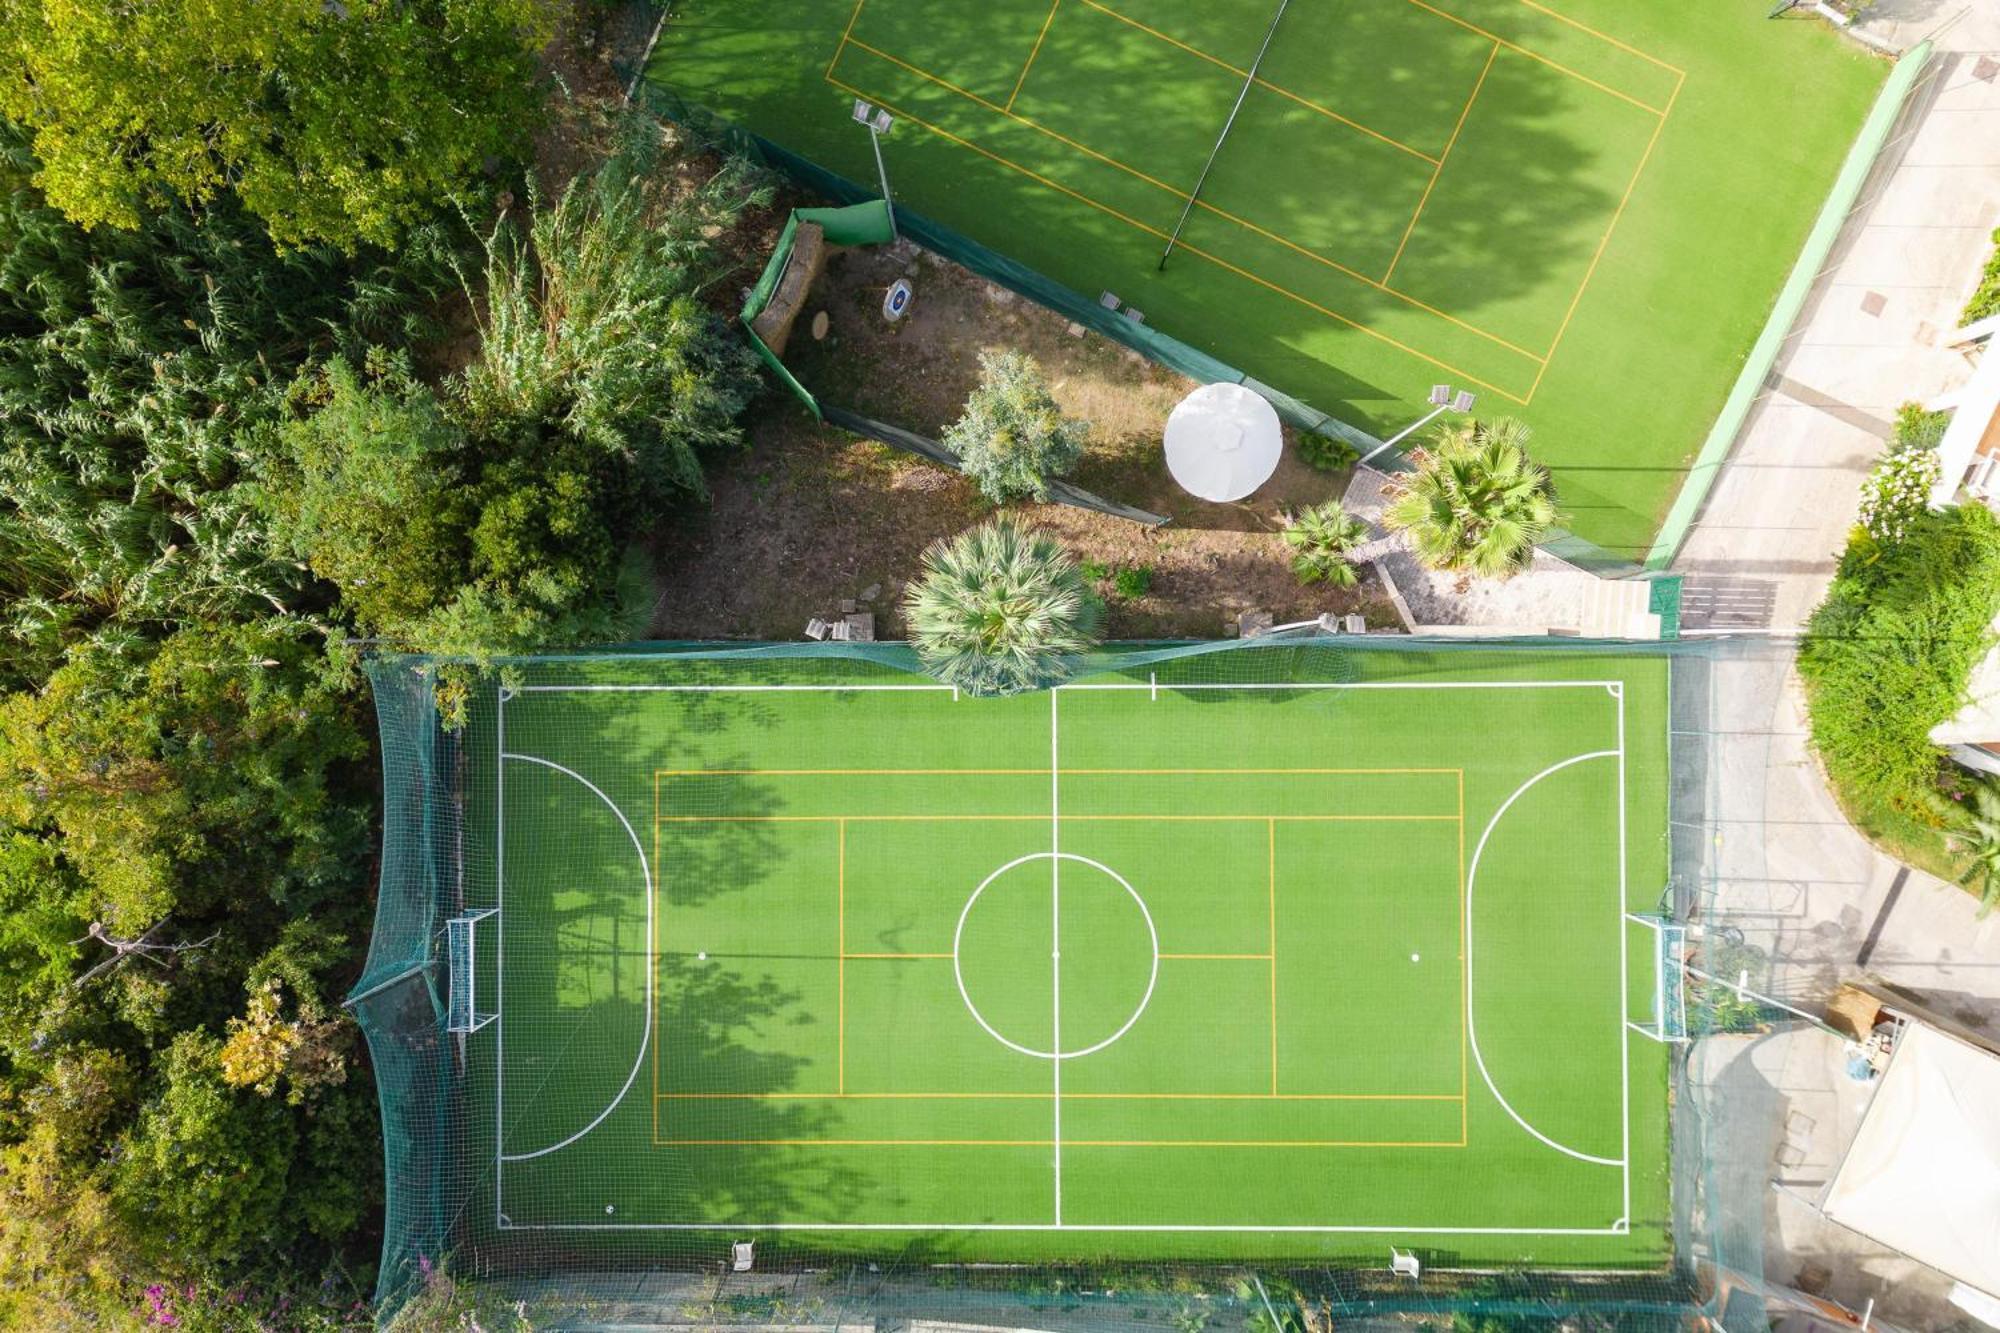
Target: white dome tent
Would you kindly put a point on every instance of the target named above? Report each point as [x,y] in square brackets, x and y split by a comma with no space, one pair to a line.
[1223,442]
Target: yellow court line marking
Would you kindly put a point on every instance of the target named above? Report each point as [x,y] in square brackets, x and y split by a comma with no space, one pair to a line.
[1046,21]
[960,819]
[1605,37]
[1018,772]
[1271,860]
[1217,260]
[1181,194]
[895,955]
[841,877]
[1437,171]
[1215,957]
[845,33]
[1605,242]
[1067,1096]
[1464,989]
[1536,55]
[1265,84]
[1048,1143]
[659,919]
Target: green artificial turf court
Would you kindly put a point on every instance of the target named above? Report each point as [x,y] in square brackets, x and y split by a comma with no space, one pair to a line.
[1161,963]
[1579,210]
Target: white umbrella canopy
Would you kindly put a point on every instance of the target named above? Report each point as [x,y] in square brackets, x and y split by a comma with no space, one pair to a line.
[1223,442]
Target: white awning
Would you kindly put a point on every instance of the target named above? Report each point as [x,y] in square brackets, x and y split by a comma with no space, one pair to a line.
[1923,1173]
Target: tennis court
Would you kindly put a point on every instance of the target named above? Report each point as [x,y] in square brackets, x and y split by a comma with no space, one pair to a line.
[1567,209]
[1283,963]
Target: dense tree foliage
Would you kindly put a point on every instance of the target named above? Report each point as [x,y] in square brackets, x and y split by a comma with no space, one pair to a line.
[341,122]
[224,462]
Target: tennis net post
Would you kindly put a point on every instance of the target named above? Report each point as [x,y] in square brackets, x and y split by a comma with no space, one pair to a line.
[1249,78]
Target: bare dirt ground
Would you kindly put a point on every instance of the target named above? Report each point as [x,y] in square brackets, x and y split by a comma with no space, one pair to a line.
[807,516]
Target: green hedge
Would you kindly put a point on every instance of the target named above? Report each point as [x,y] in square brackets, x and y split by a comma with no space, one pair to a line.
[1986,299]
[1887,655]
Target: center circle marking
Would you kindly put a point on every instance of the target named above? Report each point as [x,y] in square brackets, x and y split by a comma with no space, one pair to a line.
[958,972]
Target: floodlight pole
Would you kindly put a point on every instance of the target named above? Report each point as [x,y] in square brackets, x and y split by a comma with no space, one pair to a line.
[1443,399]
[879,123]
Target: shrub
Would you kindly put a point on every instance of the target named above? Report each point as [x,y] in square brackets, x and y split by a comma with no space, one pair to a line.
[1896,491]
[1000,608]
[1012,438]
[1327,453]
[1886,656]
[1917,428]
[1135,582]
[1321,538]
[1986,297]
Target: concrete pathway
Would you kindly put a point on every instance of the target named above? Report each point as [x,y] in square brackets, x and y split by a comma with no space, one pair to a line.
[1765,545]
[1869,340]
[1788,868]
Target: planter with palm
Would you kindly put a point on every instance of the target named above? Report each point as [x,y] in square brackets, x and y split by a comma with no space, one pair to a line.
[999,609]
[1477,503]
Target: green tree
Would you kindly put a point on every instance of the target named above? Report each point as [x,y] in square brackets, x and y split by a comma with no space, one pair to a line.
[1000,608]
[1321,538]
[341,122]
[372,491]
[1012,438]
[1476,502]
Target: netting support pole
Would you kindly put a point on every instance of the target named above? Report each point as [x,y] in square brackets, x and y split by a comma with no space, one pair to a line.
[1241,93]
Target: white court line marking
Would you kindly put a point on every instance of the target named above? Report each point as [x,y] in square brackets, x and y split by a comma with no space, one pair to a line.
[646,1033]
[1624,972]
[500,950]
[1471,1027]
[1055,936]
[1152,687]
[1050,1226]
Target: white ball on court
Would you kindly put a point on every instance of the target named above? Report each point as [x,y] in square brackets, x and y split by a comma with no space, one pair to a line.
[701,957]
[1413,958]
[610,1208]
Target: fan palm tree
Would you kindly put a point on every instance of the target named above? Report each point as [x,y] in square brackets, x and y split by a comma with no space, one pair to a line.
[1320,538]
[1000,608]
[1978,836]
[1476,502]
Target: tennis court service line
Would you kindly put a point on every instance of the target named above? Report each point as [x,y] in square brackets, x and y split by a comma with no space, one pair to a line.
[1026,66]
[1604,242]
[1438,170]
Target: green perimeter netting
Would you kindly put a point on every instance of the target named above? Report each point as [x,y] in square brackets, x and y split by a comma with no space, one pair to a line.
[1181,993]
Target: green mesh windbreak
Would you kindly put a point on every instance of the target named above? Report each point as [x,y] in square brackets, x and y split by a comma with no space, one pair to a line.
[1178,994]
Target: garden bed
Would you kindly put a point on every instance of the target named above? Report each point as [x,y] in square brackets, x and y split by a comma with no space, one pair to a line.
[808,516]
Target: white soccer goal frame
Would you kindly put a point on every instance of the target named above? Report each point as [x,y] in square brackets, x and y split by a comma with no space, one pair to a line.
[462,970]
[1669,988]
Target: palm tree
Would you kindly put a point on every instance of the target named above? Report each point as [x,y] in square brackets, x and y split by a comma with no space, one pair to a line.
[1476,502]
[1000,608]
[1321,538]
[1978,836]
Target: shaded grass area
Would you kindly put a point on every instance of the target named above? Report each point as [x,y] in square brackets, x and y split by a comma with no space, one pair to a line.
[1584,214]
[1285,935]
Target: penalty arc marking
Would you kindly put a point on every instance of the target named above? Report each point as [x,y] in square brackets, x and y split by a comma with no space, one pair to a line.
[646,1033]
[1471,1028]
